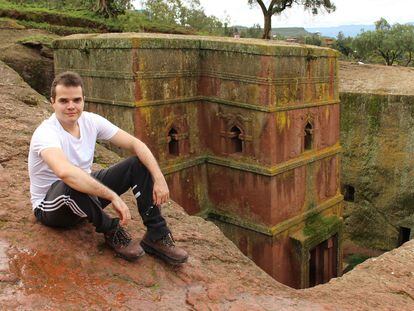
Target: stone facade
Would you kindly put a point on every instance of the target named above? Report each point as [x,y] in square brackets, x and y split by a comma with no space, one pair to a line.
[246,131]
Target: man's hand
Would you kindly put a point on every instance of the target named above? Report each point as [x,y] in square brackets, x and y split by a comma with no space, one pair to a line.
[160,192]
[122,209]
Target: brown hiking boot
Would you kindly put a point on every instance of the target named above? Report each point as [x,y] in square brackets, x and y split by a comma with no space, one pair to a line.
[165,249]
[120,241]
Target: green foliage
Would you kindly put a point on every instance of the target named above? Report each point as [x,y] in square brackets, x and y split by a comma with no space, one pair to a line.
[138,21]
[54,4]
[353,260]
[57,29]
[390,43]
[314,39]
[169,12]
[104,8]
[252,32]
[319,225]
[344,45]
[41,39]
[37,10]
[187,13]
[111,8]
[65,17]
[8,23]
[279,37]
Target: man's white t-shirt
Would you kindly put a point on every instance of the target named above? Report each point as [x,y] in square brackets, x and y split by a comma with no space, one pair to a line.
[79,151]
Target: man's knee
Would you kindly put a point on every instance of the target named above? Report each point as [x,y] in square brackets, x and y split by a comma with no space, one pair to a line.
[63,217]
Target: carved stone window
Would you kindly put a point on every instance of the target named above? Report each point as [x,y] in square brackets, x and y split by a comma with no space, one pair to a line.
[236,142]
[308,139]
[349,193]
[404,235]
[235,134]
[173,146]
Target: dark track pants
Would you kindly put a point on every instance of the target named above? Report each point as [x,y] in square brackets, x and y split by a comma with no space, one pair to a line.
[64,207]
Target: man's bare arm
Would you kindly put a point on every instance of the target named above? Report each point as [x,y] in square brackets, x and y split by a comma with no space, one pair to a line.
[126,141]
[79,180]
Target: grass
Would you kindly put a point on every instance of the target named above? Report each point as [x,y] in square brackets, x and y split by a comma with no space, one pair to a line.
[43,39]
[10,23]
[76,20]
[74,13]
[57,29]
[70,21]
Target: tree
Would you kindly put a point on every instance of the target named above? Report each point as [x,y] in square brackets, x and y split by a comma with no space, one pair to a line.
[314,39]
[252,32]
[188,13]
[278,6]
[391,43]
[112,8]
[406,39]
[195,17]
[167,12]
[344,44]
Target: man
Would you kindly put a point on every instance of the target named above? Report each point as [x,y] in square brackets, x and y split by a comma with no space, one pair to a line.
[64,191]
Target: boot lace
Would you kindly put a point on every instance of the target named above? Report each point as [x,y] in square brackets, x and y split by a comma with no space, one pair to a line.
[121,237]
[168,240]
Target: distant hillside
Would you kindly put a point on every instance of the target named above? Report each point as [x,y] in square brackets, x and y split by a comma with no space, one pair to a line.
[285,32]
[348,30]
[291,32]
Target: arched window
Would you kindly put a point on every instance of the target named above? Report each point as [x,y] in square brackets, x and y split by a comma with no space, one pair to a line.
[236,144]
[173,147]
[308,141]
[349,193]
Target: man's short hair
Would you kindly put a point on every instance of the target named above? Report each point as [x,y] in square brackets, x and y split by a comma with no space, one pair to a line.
[67,78]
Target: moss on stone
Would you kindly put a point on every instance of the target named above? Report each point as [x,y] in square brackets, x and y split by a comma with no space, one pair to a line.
[319,225]
[45,40]
[377,135]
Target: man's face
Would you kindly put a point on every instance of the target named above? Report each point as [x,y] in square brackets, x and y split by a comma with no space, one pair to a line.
[68,104]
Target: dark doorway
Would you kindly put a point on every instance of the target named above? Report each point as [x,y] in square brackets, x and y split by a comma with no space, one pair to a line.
[243,245]
[308,143]
[173,148]
[323,262]
[349,193]
[236,142]
[404,235]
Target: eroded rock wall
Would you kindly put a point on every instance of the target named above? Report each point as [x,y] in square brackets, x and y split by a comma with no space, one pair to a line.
[377,135]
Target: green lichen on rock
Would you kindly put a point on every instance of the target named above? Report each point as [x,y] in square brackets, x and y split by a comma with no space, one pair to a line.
[377,135]
[38,40]
[319,225]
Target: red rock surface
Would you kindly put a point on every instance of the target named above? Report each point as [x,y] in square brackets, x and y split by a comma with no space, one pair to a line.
[48,269]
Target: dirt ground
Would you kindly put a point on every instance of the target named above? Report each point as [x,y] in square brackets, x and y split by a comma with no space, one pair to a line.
[377,79]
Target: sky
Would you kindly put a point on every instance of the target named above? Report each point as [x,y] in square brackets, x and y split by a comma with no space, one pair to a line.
[348,12]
